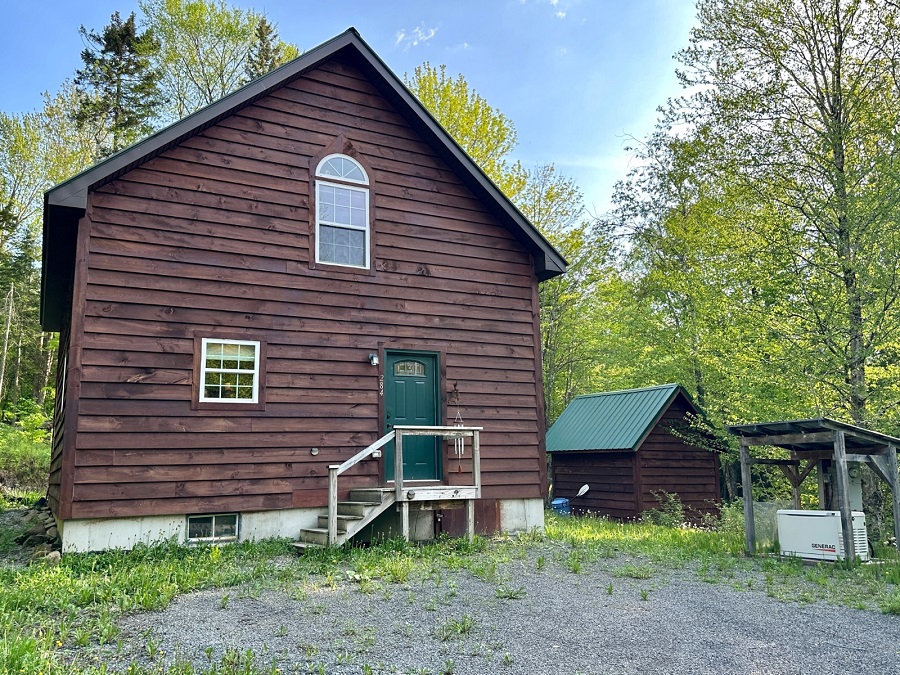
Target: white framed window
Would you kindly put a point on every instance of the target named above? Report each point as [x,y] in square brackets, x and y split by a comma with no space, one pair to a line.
[342,212]
[220,527]
[229,371]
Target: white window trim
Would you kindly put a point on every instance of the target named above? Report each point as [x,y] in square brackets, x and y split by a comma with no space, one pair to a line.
[348,180]
[203,370]
[212,539]
[346,226]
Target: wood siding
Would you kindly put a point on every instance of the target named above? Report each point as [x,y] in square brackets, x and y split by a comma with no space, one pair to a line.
[213,237]
[668,464]
[610,476]
[59,423]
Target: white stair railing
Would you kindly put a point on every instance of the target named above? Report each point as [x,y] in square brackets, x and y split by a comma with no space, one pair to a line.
[335,470]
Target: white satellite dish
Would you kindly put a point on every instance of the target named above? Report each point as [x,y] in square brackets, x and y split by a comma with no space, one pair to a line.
[583,491]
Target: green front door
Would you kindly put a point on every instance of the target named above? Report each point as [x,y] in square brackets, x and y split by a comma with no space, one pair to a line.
[411,398]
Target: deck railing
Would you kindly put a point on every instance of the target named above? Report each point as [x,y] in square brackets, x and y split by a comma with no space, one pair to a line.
[417,493]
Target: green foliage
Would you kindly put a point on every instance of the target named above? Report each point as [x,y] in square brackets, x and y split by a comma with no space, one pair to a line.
[670,512]
[24,460]
[485,133]
[118,87]
[208,49]
[267,52]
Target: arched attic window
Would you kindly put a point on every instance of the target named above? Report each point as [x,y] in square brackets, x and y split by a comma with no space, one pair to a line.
[342,212]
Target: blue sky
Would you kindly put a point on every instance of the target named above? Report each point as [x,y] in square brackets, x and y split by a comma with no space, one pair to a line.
[576,77]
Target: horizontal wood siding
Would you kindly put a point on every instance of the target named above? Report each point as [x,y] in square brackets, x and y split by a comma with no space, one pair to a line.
[59,421]
[610,476]
[213,237]
[668,464]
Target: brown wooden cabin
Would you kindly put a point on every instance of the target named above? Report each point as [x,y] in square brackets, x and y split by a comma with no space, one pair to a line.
[621,444]
[267,287]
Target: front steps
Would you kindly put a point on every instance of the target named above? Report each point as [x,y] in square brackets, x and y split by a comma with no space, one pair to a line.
[364,506]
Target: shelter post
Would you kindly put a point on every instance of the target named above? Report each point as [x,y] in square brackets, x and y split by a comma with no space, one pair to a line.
[747,488]
[843,490]
[895,491]
[823,494]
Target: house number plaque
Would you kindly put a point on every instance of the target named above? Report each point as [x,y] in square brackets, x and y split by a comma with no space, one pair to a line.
[381,385]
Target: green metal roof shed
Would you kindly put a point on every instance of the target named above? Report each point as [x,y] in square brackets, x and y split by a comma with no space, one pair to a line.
[621,444]
[614,420]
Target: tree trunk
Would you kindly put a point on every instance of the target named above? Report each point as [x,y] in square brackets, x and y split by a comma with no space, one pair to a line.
[9,315]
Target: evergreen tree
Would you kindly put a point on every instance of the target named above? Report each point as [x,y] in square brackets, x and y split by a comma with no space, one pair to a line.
[118,85]
[267,52]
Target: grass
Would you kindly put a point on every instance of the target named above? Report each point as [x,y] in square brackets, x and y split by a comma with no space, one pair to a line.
[53,618]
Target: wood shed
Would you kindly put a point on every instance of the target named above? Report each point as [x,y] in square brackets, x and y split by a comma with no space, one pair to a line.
[621,444]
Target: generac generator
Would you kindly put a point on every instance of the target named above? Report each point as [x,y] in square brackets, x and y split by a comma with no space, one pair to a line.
[818,535]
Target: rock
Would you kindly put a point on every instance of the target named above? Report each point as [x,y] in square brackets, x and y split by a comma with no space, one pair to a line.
[53,558]
[41,503]
[53,532]
[36,540]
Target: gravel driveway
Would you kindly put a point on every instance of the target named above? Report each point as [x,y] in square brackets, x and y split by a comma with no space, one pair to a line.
[545,620]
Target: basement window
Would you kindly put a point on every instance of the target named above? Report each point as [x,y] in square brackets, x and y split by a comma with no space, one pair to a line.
[222,527]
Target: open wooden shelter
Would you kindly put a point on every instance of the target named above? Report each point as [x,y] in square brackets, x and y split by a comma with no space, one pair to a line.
[819,442]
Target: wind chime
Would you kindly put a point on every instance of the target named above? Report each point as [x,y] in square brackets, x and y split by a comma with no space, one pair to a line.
[458,443]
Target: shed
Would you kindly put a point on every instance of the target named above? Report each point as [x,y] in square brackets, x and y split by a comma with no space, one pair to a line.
[271,293]
[621,443]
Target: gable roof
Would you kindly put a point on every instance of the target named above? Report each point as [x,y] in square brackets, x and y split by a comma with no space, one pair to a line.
[65,203]
[614,420]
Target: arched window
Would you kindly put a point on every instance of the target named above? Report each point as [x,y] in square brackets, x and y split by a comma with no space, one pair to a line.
[342,212]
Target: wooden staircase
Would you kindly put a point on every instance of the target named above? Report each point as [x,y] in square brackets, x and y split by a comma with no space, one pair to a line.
[364,506]
[342,520]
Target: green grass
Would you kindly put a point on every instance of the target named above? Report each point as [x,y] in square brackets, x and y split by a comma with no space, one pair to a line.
[52,619]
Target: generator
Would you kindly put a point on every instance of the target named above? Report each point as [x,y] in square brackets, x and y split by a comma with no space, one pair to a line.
[818,535]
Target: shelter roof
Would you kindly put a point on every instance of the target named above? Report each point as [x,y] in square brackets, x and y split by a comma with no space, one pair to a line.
[65,203]
[614,420]
[814,435]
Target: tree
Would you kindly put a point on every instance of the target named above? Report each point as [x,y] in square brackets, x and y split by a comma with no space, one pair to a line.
[206,49]
[267,52]
[37,150]
[804,99]
[570,334]
[118,87]
[486,134]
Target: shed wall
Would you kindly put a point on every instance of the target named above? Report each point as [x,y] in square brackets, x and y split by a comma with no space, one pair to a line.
[669,464]
[610,476]
[213,237]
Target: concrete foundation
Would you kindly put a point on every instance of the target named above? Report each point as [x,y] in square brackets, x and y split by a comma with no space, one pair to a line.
[521,515]
[101,534]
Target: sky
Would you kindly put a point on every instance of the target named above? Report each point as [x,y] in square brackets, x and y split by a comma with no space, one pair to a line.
[578,78]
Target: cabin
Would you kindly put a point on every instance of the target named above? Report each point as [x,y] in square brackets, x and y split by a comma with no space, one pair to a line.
[299,311]
[621,444]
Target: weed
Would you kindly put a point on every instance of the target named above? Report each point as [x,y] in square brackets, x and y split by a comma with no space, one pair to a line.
[223,603]
[573,561]
[634,571]
[507,659]
[541,561]
[449,667]
[510,593]
[645,594]
[455,627]
[609,589]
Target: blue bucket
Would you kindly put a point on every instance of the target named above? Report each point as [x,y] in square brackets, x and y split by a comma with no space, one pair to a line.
[561,506]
